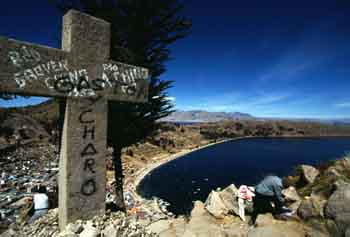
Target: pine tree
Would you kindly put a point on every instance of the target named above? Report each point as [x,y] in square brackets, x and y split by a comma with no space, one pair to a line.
[142,31]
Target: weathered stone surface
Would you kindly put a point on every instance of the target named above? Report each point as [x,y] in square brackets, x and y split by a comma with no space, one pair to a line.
[264,219]
[275,231]
[319,202]
[332,172]
[292,198]
[338,207]
[268,226]
[229,197]
[81,69]
[68,233]
[82,176]
[215,205]
[222,203]
[168,228]
[201,223]
[74,227]
[89,230]
[307,209]
[312,207]
[110,231]
[83,155]
[159,226]
[309,173]
[291,194]
[24,67]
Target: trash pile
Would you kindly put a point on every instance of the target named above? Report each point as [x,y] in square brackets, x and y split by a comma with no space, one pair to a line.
[21,171]
[111,224]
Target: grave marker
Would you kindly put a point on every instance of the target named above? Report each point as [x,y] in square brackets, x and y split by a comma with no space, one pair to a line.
[83,73]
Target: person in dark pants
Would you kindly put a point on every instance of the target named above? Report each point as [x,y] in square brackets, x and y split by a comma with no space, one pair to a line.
[268,191]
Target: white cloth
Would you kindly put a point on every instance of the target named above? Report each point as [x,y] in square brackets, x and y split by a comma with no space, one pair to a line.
[244,194]
[41,201]
[241,208]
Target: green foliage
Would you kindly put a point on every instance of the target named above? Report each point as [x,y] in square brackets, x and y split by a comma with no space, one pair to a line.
[142,31]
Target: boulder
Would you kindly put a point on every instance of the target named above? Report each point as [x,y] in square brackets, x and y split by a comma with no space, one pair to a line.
[221,203]
[201,223]
[215,205]
[75,227]
[264,219]
[338,208]
[229,197]
[275,231]
[332,172]
[291,194]
[267,226]
[176,228]
[309,173]
[159,226]
[312,207]
[307,209]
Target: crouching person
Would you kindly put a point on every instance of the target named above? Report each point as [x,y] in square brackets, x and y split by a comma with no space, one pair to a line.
[268,191]
[41,204]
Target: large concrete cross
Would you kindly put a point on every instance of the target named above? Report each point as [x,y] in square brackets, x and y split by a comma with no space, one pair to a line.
[82,72]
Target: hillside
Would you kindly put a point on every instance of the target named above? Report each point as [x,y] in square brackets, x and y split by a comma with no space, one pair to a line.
[29,139]
[204,116]
[40,122]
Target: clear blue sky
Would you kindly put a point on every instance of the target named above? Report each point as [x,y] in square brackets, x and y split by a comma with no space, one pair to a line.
[267,58]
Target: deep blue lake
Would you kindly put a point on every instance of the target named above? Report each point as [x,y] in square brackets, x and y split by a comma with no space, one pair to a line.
[244,161]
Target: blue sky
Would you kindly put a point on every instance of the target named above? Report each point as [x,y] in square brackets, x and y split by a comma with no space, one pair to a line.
[267,58]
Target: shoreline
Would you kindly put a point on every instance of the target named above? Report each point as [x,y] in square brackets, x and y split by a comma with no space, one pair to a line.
[149,168]
[141,174]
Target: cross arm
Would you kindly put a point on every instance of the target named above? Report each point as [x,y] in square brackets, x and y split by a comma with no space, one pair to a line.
[30,69]
[126,82]
[35,70]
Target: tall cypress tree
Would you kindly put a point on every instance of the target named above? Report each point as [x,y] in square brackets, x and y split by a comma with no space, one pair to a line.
[142,31]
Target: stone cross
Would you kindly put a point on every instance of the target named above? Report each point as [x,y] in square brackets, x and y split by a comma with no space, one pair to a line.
[83,73]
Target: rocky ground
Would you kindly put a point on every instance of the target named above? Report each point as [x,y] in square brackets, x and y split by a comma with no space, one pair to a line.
[30,160]
[318,196]
[29,155]
[111,224]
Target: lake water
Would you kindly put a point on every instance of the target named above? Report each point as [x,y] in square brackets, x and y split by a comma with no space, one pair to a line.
[244,161]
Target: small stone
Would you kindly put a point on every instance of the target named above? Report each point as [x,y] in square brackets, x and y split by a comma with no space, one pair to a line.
[75,228]
[67,233]
[110,231]
[89,230]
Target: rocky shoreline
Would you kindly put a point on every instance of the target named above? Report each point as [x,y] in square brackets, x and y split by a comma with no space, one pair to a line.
[319,197]
[148,169]
[149,216]
[156,206]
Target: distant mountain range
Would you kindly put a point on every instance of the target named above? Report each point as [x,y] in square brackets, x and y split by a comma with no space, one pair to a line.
[335,121]
[194,116]
[204,116]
